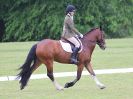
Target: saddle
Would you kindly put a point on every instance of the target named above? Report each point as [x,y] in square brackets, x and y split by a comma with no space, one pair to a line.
[68,46]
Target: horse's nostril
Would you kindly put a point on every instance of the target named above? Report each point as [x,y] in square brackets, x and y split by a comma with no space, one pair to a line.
[105,46]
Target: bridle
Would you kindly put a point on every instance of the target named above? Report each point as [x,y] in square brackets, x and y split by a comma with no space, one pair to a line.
[101,41]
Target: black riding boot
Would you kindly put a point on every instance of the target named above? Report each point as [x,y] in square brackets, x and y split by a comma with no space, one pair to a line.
[74,55]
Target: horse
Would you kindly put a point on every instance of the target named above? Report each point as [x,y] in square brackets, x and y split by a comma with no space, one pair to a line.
[47,51]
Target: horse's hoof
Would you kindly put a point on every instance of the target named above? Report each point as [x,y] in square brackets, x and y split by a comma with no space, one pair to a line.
[102,87]
[57,86]
[60,89]
[66,85]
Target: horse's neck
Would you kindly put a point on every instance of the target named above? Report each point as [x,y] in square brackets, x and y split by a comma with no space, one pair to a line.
[89,38]
[89,42]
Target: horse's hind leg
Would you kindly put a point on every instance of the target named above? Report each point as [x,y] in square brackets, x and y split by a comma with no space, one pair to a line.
[36,65]
[49,65]
[90,70]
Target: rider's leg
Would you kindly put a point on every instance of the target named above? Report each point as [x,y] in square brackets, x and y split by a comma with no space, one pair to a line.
[74,55]
[75,50]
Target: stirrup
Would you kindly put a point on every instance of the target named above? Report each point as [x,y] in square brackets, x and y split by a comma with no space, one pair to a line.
[74,61]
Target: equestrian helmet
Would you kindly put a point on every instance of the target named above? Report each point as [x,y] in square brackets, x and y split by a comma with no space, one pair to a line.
[70,8]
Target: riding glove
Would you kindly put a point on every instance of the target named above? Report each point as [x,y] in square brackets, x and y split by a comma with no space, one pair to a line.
[81,35]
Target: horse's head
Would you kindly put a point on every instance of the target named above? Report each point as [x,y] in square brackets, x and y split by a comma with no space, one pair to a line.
[96,36]
[101,39]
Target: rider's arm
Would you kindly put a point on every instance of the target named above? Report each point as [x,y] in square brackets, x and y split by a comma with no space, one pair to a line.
[71,26]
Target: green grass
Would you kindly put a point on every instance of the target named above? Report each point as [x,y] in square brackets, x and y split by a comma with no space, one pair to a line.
[119,86]
[119,54]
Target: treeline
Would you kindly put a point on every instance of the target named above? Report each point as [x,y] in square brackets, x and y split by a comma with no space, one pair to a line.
[26,20]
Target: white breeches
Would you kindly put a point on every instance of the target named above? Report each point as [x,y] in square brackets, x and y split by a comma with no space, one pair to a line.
[75,41]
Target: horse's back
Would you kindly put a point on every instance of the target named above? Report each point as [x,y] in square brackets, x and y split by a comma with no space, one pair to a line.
[47,48]
[51,49]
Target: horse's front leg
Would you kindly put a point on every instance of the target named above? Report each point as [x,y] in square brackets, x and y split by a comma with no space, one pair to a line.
[79,72]
[93,75]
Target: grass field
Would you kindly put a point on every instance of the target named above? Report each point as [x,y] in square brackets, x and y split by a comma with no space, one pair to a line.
[119,54]
[119,86]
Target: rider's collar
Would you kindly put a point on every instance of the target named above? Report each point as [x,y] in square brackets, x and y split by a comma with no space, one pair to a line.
[70,15]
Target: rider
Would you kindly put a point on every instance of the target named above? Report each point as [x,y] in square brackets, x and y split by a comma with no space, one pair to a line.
[71,33]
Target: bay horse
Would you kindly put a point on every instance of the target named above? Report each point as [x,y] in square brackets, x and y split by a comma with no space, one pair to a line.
[47,51]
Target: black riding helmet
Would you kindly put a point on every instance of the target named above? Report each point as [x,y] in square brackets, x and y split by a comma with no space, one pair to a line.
[70,8]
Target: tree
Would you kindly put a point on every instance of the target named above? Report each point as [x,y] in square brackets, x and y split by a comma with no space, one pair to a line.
[27,20]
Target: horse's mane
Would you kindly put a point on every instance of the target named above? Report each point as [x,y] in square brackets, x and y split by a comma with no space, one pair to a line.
[91,30]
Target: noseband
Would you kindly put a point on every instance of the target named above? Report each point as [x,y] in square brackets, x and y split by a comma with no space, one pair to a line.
[99,42]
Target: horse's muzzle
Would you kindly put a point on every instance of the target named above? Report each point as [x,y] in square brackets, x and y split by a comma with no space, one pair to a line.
[103,47]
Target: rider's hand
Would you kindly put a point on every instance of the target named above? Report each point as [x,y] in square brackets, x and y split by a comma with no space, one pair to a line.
[81,35]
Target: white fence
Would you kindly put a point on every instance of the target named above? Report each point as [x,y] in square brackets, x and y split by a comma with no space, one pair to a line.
[66,74]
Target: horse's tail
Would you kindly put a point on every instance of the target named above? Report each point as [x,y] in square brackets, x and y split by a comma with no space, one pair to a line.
[27,67]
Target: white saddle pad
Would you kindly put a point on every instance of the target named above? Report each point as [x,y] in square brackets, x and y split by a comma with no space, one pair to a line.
[67,47]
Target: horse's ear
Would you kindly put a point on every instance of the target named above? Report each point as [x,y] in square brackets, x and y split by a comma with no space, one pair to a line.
[101,28]
[101,25]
